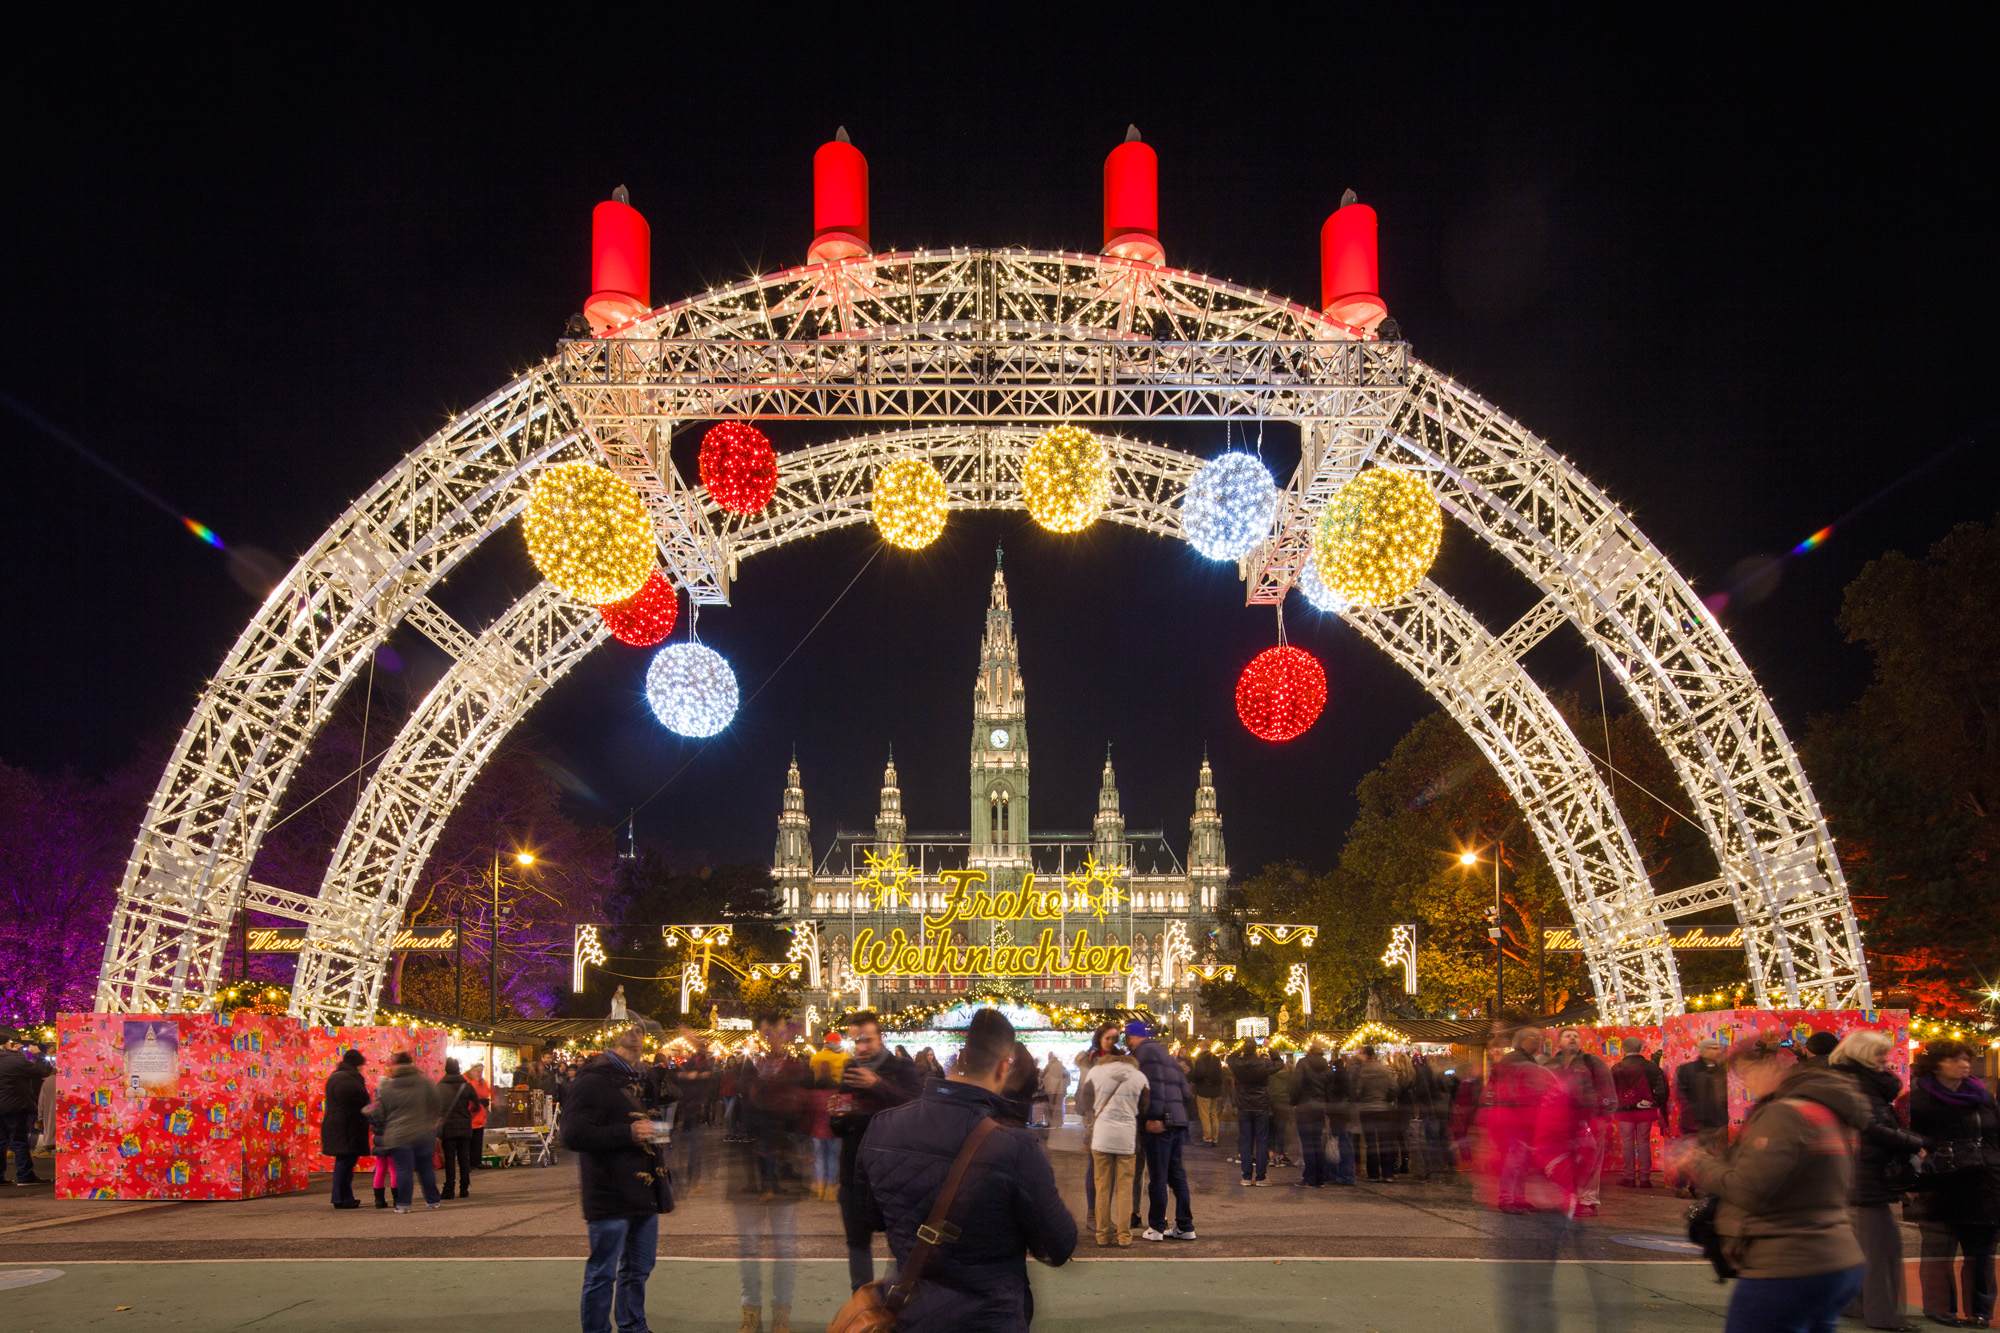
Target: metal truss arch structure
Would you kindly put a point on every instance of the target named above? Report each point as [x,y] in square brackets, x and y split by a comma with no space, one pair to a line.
[964,355]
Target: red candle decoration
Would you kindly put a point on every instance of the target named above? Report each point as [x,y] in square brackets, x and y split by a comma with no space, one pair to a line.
[739,467]
[647,616]
[1281,693]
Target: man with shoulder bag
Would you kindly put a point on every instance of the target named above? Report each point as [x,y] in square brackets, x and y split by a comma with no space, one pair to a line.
[965,1199]
[624,1181]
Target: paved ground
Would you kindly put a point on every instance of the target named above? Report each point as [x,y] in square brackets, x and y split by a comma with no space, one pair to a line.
[1412,1255]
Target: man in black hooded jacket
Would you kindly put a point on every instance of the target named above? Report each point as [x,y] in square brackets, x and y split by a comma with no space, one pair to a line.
[602,1122]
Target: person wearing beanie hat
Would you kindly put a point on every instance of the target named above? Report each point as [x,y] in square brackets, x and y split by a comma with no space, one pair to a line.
[1818,1047]
[1162,1133]
[343,1130]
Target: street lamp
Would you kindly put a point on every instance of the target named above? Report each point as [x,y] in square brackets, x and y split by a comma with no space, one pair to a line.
[1469,859]
[524,860]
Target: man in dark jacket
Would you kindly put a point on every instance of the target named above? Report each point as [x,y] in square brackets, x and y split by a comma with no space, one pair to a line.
[21,1076]
[1701,1091]
[1163,1133]
[873,1080]
[461,1102]
[1251,1070]
[1312,1089]
[1007,1207]
[603,1124]
[343,1131]
[1206,1078]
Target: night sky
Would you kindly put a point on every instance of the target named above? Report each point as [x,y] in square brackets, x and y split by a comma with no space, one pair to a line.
[1746,280]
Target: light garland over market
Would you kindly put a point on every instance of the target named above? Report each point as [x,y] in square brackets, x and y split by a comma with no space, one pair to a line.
[1010,373]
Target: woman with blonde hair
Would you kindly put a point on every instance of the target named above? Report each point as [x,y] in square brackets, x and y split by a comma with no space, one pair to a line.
[1881,1174]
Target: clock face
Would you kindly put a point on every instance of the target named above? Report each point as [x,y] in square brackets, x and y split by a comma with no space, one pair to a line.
[999,738]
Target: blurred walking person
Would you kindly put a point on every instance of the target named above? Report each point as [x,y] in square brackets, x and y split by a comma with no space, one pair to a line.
[407,1103]
[873,1080]
[1783,1187]
[618,1170]
[1701,1089]
[1280,1090]
[1588,1082]
[826,1064]
[1375,1100]
[1007,1207]
[1885,1148]
[1055,1088]
[1960,1211]
[1312,1084]
[475,1077]
[1205,1077]
[1641,1089]
[764,1195]
[21,1079]
[343,1129]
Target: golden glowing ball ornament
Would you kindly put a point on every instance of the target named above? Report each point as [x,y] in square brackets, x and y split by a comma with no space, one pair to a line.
[1378,537]
[909,503]
[588,533]
[1066,479]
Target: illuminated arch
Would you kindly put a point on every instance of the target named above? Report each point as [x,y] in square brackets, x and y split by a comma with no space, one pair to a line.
[982,347]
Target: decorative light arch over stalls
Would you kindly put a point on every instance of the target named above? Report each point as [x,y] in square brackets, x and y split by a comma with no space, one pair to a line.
[968,354]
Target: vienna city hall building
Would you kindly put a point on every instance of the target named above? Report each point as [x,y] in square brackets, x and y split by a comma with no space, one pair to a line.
[1111,915]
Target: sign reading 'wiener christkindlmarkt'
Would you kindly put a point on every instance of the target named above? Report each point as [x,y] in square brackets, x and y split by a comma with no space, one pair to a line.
[938,954]
[291,939]
[1564,940]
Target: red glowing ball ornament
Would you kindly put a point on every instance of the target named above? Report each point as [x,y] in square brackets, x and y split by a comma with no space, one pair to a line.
[647,616]
[1281,693]
[739,467]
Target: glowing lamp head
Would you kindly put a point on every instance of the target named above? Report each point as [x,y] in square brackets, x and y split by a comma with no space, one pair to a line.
[1378,536]
[524,858]
[691,689]
[1468,858]
[1228,507]
[909,503]
[588,532]
[738,466]
[1066,479]
[1281,693]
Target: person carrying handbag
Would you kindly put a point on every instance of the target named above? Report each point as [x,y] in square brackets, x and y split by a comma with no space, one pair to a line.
[970,1273]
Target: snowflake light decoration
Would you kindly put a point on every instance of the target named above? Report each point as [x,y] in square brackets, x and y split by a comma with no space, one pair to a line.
[885,879]
[1106,898]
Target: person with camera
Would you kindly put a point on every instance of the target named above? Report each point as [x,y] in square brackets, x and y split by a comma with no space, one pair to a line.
[619,1169]
[873,1080]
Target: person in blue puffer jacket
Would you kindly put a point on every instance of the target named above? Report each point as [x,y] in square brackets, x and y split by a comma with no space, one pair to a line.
[1169,1098]
[1008,1206]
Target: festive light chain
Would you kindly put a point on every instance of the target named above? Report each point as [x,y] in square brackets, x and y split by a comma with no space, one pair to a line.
[1379,536]
[1066,479]
[1228,508]
[647,617]
[738,466]
[1281,693]
[588,533]
[692,689]
[909,503]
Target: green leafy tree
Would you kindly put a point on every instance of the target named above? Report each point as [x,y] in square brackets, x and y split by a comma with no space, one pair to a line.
[1910,775]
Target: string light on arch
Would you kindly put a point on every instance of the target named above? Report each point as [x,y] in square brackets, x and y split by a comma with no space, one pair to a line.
[738,466]
[1228,506]
[647,617]
[909,503]
[1281,693]
[588,533]
[692,689]
[1066,479]
[1378,536]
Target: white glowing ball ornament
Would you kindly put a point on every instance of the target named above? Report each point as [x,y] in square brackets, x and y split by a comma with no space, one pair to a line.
[1322,598]
[1228,506]
[692,689]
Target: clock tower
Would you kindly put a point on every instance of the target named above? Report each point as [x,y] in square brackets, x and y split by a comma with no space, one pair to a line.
[999,739]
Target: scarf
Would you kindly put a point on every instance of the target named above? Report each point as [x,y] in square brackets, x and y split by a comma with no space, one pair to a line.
[1971,1092]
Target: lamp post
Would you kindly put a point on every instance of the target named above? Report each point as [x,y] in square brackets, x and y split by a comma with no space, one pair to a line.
[493,936]
[1493,930]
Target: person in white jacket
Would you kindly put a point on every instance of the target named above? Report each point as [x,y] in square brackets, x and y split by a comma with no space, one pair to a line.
[1117,1097]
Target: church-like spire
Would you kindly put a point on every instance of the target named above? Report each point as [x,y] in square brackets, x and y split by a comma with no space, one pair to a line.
[1208,860]
[890,827]
[792,861]
[1110,822]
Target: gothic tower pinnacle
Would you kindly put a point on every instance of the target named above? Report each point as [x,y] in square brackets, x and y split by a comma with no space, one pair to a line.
[791,863]
[890,827]
[1208,861]
[1110,822]
[999,768]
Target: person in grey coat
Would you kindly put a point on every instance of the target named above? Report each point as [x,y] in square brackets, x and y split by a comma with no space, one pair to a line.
[406,1106]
